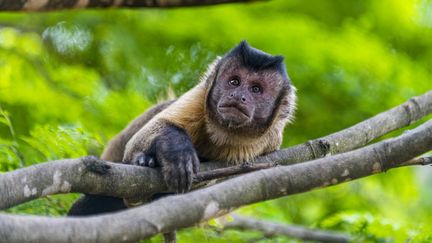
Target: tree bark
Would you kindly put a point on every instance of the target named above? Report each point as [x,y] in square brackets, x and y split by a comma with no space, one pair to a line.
[45,5]
[87,175]
[180,211]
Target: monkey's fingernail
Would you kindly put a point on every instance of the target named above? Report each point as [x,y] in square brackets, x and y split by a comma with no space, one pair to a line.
[151,163]
[141,160]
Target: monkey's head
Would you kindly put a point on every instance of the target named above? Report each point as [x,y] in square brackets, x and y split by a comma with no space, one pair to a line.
[249,91]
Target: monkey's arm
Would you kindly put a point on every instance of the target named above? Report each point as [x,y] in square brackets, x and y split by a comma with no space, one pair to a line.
[114,151]
[94,204]
[163,144]
[166,140]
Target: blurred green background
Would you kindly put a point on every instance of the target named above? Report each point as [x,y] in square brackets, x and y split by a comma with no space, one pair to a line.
[70,80]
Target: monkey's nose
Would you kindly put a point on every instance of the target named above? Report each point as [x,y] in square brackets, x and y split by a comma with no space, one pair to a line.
[238,97]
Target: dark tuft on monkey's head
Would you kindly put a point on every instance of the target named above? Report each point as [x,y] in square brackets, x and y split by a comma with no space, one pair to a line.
[256,59]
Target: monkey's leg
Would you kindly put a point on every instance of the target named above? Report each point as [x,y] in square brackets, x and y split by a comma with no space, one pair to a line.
[93,204]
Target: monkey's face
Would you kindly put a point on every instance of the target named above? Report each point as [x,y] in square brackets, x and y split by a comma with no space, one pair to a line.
[244,99]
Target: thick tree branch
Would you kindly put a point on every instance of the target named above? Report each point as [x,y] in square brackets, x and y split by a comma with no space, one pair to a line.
[355,136]
[271,229]
[87,175]
[63,176]
[181,211]
[45,5]
[93,176]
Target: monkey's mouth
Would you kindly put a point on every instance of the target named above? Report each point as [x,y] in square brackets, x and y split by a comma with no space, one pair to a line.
[234,112]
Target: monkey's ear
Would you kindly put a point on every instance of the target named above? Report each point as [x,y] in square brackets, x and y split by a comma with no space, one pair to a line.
[286,107]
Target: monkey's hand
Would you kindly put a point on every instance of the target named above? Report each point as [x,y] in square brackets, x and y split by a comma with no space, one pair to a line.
[173,151]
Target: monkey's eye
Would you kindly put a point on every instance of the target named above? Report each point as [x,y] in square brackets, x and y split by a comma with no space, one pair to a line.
[256,89]
[234,82]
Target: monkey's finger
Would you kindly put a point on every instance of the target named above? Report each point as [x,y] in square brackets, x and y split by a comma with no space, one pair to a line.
[152,162]
[182,177]
[142,161]
[139,159]
[195,163]
[170,177]
[146,160]
[189,174]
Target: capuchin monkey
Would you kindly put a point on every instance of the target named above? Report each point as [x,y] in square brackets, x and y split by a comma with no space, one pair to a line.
[235,113]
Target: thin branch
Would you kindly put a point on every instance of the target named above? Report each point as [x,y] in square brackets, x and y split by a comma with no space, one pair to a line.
[427,160]
[180,211]
[277,229]
[231,171]
[43,179]
[45,5]
[246,168]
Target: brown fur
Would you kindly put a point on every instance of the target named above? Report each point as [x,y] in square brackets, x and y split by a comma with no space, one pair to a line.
[173,134]
[114,151]
[212,141]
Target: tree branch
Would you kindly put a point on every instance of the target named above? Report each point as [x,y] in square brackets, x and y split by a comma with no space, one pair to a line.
[231,171]
[181,211]
[427,160]
[88,175]
[355,136]
[270,229]
[126,181]
[45,5]
[246,168]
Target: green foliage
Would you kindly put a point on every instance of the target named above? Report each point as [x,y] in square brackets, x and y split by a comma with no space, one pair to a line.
[69,81]
[57,205]
[59,142]
[372,228]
